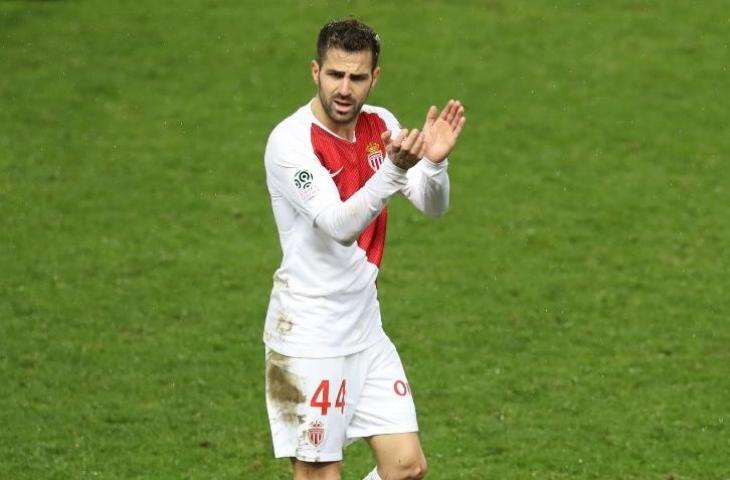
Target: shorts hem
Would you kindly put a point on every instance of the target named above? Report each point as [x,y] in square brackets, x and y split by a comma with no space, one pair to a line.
[333,457]
[381,431]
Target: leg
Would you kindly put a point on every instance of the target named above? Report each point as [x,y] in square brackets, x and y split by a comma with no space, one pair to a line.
[316,471]
[386,417]
[399,456]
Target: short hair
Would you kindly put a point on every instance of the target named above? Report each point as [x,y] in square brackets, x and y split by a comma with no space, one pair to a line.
[350,35]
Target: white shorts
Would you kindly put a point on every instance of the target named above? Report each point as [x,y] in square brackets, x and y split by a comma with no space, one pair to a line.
[317,406]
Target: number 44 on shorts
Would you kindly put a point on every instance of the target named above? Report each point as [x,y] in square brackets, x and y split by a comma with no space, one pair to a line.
[321,397]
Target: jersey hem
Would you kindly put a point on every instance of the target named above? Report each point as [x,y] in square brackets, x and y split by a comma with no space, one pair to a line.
[328,351]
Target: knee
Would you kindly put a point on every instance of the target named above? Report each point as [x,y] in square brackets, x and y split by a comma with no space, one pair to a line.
[416,469]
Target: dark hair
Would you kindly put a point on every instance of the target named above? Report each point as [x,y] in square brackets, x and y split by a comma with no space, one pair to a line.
[349,35]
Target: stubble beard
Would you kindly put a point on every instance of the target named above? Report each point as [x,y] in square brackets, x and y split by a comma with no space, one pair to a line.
[329,108]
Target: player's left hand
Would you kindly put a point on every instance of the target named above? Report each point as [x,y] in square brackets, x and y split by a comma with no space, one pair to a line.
[442,130]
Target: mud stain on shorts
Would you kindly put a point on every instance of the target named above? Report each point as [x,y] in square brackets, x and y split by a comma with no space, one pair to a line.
[282,388]
[284,323]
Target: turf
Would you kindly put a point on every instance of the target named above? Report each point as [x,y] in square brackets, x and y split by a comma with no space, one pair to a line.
[568,319]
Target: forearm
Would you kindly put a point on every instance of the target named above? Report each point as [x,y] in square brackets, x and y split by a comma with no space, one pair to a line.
[345,221]
[428,187]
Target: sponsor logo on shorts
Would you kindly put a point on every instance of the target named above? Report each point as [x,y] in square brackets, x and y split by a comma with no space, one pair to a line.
[401,388]
[315,433]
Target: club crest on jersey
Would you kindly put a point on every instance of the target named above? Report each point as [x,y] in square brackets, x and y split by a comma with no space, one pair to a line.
[375,156]
[315,433]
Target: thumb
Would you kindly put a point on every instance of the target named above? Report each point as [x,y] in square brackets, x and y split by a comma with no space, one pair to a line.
[431,115]
[386,137]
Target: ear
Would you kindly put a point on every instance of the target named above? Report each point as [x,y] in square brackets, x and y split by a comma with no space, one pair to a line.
[376,75]
[314,67]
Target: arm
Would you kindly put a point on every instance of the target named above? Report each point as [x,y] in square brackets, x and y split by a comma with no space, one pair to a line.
[428,182]
[296,174]
[345,221]
[428,187]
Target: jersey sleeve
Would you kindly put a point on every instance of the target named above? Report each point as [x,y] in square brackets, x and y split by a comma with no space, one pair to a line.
[294,172]
[428,187]
[345,221]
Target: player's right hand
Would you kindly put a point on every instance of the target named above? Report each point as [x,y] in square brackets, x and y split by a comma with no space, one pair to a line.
[406,149]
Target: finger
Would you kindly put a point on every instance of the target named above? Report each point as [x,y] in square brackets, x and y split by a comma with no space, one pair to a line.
[410,140]
[419,147]
[447,108]
[452,111]
[424,146]
[431,115]
[396,144]
[385,136]
[459,115]
[459,126]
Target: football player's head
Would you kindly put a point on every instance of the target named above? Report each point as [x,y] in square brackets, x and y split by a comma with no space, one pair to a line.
[349,35]
[346,68]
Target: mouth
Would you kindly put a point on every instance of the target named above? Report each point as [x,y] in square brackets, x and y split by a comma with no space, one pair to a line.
[343,106]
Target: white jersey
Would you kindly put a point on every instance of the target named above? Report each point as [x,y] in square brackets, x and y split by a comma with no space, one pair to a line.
[324,299]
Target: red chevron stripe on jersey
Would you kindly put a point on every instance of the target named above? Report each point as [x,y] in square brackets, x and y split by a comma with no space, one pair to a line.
[351,164]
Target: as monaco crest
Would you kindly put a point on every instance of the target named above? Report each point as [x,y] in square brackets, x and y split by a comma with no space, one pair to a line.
[375,156]
[315,433]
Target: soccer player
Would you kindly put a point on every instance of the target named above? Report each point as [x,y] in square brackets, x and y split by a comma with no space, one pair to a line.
[332,374]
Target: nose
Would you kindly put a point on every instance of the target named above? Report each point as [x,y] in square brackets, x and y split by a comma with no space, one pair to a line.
[345,88]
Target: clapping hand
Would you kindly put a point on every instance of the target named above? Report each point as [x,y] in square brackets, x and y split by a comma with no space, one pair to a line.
[435,141]
[442,131]
[406,149]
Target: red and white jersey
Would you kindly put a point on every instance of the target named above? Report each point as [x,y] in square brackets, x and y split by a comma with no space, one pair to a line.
[324,300]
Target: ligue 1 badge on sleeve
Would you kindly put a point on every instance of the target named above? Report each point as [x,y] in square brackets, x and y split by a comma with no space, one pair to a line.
[375,156]
[304,181]
[315,433]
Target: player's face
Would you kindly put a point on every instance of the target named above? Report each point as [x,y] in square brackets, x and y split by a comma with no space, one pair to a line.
[344,81]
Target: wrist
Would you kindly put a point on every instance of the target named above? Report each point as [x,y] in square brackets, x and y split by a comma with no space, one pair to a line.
[397,164]
[435,164]
[391,170]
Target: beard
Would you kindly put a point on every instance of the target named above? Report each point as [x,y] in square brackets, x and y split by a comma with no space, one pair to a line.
[330,105]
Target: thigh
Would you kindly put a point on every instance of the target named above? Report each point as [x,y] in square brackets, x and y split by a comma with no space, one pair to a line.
[305,404]
[316,471]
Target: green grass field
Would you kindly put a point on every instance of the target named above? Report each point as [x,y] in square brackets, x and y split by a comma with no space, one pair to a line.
[568,319]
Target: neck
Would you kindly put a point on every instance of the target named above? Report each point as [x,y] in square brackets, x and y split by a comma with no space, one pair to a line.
[344,130]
